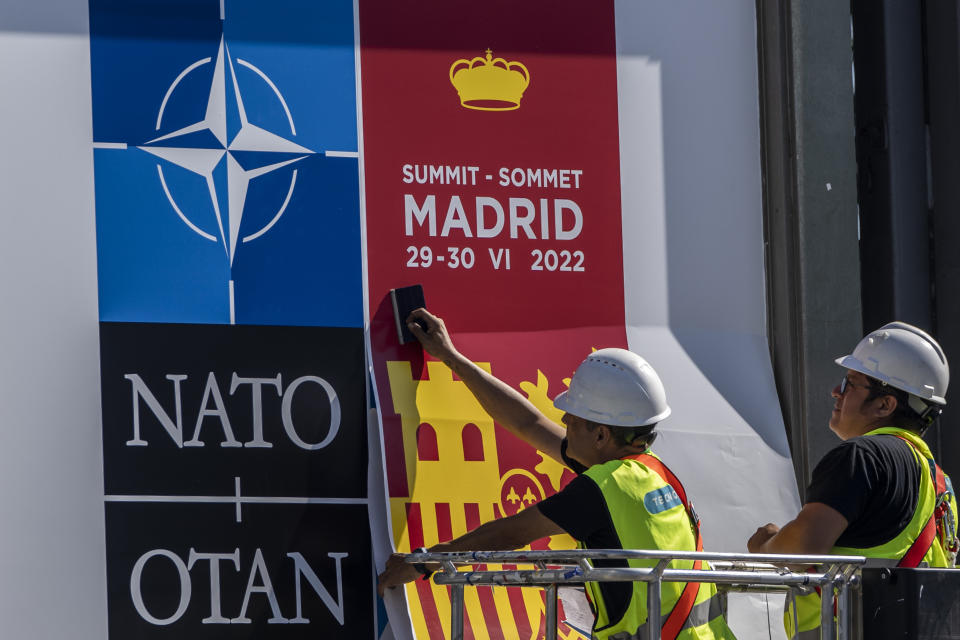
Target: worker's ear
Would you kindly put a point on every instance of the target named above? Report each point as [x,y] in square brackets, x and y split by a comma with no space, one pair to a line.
[602,435]
[885,405]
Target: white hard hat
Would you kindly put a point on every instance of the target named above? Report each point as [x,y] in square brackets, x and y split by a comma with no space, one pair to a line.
[615,387]
[904,357]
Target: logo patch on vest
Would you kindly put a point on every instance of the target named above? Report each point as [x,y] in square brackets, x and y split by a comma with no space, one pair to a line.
[660,500]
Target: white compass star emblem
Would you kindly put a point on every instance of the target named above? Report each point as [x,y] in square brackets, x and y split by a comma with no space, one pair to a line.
[204,161]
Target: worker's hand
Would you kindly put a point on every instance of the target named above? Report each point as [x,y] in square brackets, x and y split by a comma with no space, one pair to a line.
[397,572]
[758,539]
[435,339]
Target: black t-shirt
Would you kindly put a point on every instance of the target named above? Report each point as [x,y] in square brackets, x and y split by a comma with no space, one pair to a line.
[874,482]
[580,510]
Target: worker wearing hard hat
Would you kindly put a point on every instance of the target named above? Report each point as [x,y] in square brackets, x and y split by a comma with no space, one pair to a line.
[623,498]
[879,494]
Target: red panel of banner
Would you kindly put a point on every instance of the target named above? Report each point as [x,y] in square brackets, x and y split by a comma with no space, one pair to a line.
[491,168]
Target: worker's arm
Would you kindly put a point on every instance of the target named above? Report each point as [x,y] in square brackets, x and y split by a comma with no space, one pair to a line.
[506,405]
[497,535]
[813,532]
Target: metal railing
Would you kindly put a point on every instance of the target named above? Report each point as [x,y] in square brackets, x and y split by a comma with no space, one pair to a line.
[741,572]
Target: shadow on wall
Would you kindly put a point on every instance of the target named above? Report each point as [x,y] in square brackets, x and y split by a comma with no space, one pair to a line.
[732,363]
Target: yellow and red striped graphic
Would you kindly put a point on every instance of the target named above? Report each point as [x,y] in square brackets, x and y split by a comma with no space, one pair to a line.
[455,484]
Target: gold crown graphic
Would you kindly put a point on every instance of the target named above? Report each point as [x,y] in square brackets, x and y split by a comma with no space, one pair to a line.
[489,84]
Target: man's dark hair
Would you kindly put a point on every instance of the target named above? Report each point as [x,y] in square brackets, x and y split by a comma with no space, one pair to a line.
[903,417]
[629,436]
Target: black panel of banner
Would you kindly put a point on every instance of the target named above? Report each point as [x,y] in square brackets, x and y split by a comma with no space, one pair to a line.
[229,451]
[190,571]
[189,408]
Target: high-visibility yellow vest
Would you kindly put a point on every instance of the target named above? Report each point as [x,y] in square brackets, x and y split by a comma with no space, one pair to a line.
[939,554]
[647,513]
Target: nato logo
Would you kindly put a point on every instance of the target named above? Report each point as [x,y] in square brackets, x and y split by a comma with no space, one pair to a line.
[225,155]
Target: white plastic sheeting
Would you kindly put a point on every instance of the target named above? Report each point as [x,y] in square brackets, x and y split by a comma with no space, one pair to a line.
[693,267]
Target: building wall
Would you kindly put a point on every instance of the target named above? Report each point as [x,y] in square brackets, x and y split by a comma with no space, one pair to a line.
[52,558]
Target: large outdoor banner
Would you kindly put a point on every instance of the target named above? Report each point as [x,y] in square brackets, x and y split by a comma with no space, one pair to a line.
[233,372]
[559,175]
[492,178]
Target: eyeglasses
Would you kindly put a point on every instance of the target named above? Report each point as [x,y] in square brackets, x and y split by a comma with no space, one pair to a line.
[846,383]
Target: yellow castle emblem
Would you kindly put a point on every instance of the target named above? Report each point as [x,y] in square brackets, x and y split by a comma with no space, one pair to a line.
[454,480]
[489,84]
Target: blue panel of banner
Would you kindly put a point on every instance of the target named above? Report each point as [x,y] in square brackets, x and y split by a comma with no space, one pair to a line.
[226,162]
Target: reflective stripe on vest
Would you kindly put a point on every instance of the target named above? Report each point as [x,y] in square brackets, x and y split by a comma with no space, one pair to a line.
[809,634]
[700,615]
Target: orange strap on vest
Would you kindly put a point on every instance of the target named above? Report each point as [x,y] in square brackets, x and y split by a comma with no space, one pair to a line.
[681,611]
[924,541]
